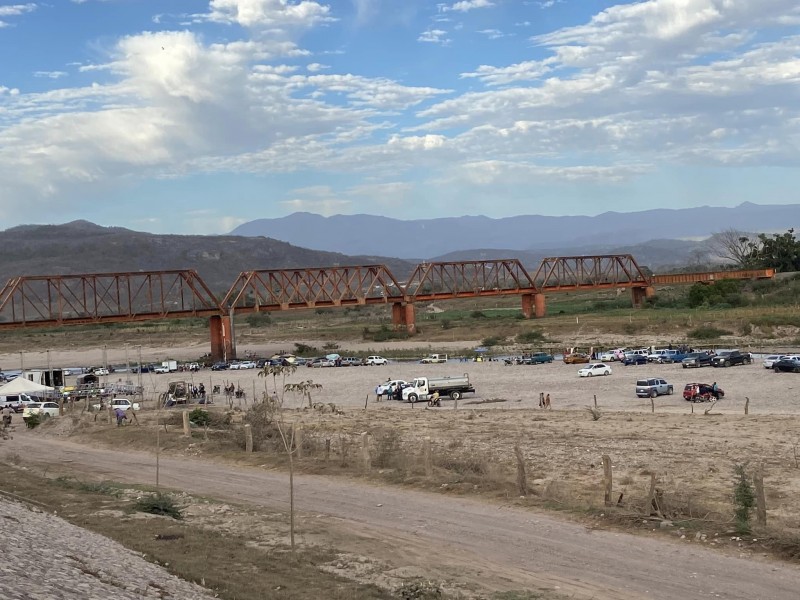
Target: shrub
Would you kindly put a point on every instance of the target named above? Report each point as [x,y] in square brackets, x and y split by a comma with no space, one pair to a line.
[33,421]
[258,319]
[492,341]
[159,504]
[446,324]
[706,332]
[478,314]
[743,500]
[530,337]
[304,349]
[200,417]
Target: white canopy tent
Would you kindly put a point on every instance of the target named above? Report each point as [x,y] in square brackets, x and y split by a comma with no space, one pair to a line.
[20,385]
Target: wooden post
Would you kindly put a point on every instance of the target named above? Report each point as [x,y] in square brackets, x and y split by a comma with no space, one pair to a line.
[652,501]
[761,501]
[427,457]
[746,405]
[327,449]
[607,479]
[186,430]
[595,400]
[522,479]
[455,404]
[365,458]
[652,405]
[248,438]
[366,400]
[110,415]
[298,440]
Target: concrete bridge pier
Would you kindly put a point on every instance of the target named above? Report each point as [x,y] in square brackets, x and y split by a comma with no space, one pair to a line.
[404,315]
[222,344]
[533,305]
[639,294]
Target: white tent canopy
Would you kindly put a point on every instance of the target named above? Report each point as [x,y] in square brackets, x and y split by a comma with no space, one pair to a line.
[20,385]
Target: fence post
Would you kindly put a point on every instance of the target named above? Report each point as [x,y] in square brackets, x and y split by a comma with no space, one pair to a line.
[365,458]
[652,405]
[522,479]
[187,432]
[746,405]
[327,449]
[426,456]
[607,479]
[298,440]
[761,501]
[248,437]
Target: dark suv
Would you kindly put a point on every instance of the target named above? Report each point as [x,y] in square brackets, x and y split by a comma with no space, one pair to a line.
[733,357]
[697,359]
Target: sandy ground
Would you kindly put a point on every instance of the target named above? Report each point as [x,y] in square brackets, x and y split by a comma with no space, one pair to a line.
[769,392]
[495,545]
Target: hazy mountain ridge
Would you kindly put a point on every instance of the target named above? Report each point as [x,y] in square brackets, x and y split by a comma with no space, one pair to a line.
[430,238]
[83,247]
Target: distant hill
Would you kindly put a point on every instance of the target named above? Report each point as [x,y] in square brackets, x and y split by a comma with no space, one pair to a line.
[83,247]
[430,238]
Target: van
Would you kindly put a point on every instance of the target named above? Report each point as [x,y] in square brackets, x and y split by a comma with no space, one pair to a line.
[17,402]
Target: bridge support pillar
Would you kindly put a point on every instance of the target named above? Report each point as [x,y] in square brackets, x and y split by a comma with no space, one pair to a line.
[222,346]
[527,305]
[539,306]
[638,295]
[404,316]
[649,292]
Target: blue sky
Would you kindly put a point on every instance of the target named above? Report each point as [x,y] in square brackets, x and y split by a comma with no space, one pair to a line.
[179,116]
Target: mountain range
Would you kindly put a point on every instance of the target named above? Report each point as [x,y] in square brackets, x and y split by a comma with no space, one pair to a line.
[83,247]
[434,238]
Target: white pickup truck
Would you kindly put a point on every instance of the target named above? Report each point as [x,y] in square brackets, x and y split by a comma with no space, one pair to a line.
[122,403]
[433,359]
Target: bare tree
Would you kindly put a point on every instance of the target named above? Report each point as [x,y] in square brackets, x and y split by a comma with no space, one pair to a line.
[735,246]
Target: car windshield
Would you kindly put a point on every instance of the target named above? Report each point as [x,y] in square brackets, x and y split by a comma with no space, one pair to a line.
[724,354]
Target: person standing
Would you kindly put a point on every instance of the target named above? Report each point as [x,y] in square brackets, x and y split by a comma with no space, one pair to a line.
[715,390]
[6,412]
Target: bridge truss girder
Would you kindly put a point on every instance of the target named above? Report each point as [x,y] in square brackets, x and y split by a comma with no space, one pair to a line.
[574,273]
[284,289]
[53,300]
[468,279]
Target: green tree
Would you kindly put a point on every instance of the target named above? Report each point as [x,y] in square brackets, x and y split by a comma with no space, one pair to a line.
[779,251]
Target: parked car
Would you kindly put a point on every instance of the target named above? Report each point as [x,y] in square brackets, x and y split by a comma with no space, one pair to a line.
[731,358]
[537,358]
[611,355]
[100,371]
[650,388]
[351,361]
[17,402]
[789,364]
[321,362]
[376,360]
[700,392]
[247,364]
[220,366]
[122,403]
[44,409]
[391,384]
[634,359]
[772,359]
[697,359]
[594,369]
[161,369]
[576,358]
[666,356]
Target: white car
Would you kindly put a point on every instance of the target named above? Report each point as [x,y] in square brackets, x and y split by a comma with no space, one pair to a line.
[161,369]
[595,369]
[235,366]
[610,355]
[101,372]
[771,360]
[248,364]
[45,409]
[392,383]
[376,360]
[122,403]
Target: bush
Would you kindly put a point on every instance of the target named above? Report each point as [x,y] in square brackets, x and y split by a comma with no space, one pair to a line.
[258,319]
[33,421]
[707,333]
[200,417]
[530,337]
[743,500]
[159,504]
[492,341]
[304,349]
[477,314]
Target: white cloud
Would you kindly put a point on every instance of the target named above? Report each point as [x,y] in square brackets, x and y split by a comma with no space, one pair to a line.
[466,5]
[269,14]
[316,67]
[14,10]
[492,34]
[434,36]
[50,74]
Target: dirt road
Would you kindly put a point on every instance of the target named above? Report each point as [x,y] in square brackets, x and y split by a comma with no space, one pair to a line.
[479,541]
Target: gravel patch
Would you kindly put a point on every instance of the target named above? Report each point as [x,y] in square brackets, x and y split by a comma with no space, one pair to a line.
[45,557]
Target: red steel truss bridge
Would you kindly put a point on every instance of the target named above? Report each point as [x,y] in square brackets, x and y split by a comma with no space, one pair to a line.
[43,301]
